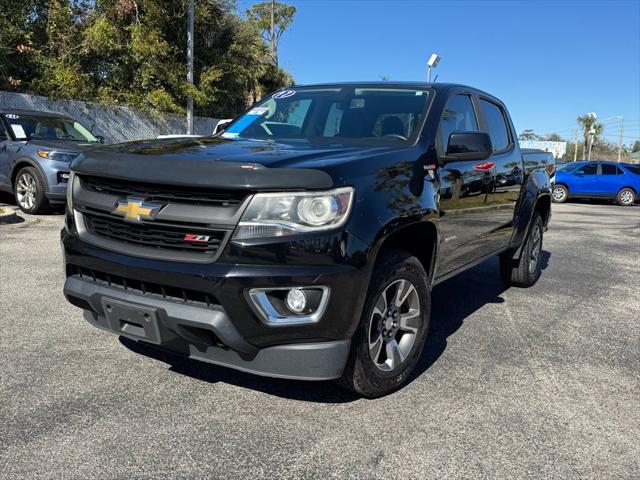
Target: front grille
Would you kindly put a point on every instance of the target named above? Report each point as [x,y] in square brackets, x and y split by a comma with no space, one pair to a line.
[165,193]
[154,235]
[144,288]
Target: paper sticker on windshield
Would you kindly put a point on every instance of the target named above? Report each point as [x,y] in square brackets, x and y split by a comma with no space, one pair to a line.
[258,111]
[283,94]
[18,131]
[12,116]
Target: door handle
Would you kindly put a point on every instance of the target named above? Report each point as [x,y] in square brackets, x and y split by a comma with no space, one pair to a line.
[484,166]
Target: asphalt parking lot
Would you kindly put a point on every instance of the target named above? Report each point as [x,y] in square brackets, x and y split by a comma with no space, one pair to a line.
[536,383]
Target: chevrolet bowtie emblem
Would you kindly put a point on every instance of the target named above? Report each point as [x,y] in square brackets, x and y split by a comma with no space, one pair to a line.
[136,209]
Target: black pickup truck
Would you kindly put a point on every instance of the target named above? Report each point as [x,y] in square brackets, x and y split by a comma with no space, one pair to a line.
[303,242]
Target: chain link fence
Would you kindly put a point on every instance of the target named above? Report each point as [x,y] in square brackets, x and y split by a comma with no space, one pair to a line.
[114,123]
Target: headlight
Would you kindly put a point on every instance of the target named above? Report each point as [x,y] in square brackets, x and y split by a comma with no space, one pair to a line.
[279,214]
[70,191]
[57,155]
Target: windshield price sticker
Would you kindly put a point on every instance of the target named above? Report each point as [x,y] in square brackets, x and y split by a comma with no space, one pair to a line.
[259,111]
[283,94]
[12,116]
[18,131]
[244,121]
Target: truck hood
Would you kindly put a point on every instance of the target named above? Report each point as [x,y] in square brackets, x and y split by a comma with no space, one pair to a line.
[220,162]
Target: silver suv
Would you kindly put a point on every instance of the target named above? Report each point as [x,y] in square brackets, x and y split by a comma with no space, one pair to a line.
[35,151]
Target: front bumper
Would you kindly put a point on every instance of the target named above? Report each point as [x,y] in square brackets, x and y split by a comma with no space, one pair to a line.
[225,330]
[204,334]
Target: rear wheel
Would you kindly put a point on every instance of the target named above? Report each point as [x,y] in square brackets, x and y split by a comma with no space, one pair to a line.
[560,194]
[29,188]
[525,271]
[626,197]
[393,327]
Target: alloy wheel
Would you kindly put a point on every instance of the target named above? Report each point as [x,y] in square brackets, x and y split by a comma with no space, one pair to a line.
[535,247]
[626,197]
[559,194]
[26,189]
[394,325]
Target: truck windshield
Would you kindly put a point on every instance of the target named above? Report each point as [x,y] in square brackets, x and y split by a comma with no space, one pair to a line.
[377,115]
[34,127]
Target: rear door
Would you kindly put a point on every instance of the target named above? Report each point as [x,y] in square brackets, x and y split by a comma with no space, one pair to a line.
[609,180]
[583,179]
[509,173]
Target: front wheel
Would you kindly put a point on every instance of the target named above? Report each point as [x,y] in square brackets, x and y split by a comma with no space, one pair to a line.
[559,194]
[393,327]
[626,197]
[29,188]
[525,271]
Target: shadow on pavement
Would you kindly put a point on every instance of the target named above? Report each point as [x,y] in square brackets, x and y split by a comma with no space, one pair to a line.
[453,301]
[320,392]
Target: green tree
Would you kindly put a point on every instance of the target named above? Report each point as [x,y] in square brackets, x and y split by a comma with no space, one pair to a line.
[553,137]
[636,146]
[588,122]
[272,19]
[134,52]
[528,134]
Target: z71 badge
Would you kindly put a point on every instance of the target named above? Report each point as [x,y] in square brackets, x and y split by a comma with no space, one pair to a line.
[192,237]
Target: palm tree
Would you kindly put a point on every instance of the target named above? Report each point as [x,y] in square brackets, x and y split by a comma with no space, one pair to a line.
[588,122]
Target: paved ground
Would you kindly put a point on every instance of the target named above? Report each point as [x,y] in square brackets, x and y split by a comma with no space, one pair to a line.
[537,383]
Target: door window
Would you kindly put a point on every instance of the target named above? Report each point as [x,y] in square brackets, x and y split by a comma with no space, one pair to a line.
[608,169]
[496,124]
[458,115]
[590,169]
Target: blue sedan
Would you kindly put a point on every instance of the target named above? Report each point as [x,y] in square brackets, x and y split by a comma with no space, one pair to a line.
[607,180]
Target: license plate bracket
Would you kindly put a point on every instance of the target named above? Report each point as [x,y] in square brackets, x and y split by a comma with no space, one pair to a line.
[132,320]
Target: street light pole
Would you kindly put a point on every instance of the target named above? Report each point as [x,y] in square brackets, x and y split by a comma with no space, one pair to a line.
[432,63]
[620,142]
[190,42]
[592,132]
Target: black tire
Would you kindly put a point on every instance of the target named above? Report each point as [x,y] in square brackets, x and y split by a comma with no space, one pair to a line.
[525,271]
[362,374]
[626,197]
[30,201]
[559,194]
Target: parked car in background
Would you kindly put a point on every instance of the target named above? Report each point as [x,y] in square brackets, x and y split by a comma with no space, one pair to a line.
[599,179]
[35,151]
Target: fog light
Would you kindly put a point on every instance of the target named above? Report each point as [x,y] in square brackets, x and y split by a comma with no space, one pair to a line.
[296,300]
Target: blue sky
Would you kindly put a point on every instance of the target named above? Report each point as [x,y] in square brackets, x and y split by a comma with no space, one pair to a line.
[549,61]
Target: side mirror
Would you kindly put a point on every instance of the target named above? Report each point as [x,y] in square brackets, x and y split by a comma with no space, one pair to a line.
[100,138]
[468,146]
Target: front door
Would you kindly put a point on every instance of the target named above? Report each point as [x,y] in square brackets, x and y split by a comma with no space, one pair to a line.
[583,179]
[464,187]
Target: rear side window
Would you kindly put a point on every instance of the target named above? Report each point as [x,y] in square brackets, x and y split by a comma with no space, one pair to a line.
[608,169]
[590,169]
[634,169]
[458,116]
[497,125]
